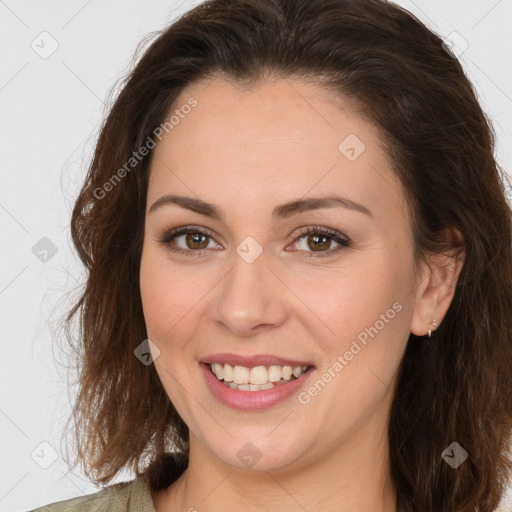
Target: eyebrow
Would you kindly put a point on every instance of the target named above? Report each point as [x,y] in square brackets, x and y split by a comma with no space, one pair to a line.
[282,211]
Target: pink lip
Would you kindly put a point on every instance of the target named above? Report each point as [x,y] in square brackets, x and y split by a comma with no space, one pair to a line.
[252,400]
[252,361]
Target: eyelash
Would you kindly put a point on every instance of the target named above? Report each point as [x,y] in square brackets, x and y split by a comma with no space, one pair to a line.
[342,240]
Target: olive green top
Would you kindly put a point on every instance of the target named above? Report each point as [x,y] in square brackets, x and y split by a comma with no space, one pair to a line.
[131,496]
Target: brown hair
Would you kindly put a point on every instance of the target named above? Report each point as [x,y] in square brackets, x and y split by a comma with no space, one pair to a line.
[455,387]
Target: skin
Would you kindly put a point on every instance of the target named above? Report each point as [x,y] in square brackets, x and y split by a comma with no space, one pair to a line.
[247,151]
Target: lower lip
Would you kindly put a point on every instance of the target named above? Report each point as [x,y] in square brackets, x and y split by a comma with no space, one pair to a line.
[251,400]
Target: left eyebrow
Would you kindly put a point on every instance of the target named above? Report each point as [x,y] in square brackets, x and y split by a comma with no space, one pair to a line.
[313,203]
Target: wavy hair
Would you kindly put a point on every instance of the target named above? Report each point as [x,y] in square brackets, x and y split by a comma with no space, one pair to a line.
[404,80]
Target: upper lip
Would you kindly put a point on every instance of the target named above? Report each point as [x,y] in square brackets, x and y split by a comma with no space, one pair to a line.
[252,361]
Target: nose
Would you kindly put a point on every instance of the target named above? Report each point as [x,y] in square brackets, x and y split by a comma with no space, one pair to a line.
[250,298]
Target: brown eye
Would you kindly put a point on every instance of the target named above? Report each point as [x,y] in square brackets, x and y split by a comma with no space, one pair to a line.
[318,242]
[188,241]
[315,242]
[193,240]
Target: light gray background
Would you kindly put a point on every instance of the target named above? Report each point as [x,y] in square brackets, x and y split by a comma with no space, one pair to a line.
[50,112]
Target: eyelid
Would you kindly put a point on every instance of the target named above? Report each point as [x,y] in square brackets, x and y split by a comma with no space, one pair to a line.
[183,230]
[312,229]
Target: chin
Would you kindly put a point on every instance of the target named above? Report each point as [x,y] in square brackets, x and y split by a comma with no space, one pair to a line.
[257,451]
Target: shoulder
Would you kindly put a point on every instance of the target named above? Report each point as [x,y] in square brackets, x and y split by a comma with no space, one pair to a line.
[131,496]
[134,495]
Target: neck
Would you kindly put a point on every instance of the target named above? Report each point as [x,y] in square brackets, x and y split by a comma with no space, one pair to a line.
[353,475]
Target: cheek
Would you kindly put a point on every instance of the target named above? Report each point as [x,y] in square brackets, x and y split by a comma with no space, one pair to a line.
[162,295]
[172,297]
[168,298]
[348,300]
[366,313]
[363,318]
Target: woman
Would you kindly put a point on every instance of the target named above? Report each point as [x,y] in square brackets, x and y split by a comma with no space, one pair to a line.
[299,271]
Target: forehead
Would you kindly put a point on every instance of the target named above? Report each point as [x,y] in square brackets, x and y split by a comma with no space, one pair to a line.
[280,139]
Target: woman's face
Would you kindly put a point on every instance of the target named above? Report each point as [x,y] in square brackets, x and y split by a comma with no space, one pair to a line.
[258,284]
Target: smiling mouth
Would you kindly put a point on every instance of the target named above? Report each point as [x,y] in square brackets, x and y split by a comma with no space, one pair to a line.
[258,378]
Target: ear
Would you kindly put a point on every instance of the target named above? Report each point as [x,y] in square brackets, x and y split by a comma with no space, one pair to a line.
[437,279]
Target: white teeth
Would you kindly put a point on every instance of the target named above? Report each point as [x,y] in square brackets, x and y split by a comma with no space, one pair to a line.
[286,372]
[258,375]
[228,373]
[274,373]
[248,387]
[218,370]
[256,378]
[297,371]
[240,375]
